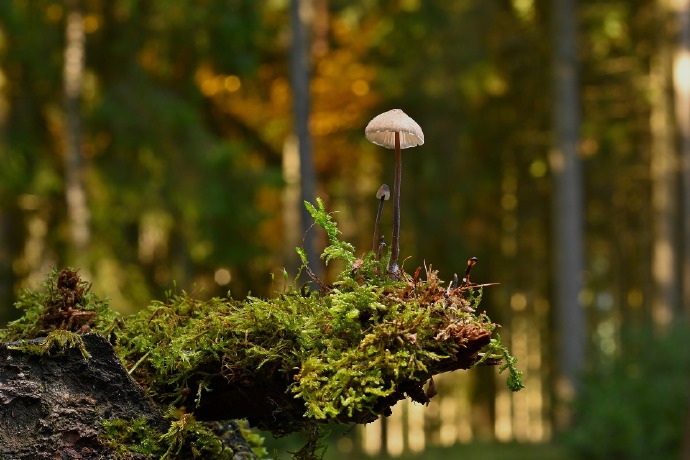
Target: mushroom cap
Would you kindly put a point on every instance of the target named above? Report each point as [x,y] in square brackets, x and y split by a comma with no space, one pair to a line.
[382,128]
[384,192]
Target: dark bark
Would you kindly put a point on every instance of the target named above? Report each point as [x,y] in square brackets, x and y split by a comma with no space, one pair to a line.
[53,406]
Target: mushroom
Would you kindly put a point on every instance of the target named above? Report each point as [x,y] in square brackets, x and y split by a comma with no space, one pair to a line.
[383,194]
[394,129]
[382,244]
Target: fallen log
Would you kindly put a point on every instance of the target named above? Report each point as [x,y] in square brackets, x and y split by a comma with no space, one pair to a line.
[345,353]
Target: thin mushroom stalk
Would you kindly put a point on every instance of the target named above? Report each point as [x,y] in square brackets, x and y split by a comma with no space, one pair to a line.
[395,130]
[393,269]
[382,194]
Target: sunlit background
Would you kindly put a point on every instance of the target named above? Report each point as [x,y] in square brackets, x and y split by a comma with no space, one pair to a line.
[169,145]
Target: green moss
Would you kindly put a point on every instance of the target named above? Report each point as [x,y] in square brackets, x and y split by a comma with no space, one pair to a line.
[54,344]
[128,437]
[254,440]
[343,352]
[496,350]
[185,438]
[188,438]
[65,302]
[336,249]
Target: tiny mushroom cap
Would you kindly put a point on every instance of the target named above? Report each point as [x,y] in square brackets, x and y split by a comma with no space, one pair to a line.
[384,192]
[382,128]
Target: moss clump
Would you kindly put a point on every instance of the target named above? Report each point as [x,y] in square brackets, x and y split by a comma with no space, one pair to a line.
[54,344]
[129,437]
[65,303]
[346,353]
[186,438]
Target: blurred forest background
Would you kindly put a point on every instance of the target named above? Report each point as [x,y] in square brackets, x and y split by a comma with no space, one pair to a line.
[169,145]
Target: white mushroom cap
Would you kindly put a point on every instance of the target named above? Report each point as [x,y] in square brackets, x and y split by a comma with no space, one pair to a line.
[382,128]
[384,192]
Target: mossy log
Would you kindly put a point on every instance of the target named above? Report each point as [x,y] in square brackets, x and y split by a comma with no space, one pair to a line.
[265,401]
[345,352]
[53,403]
[304,358]
[290,363]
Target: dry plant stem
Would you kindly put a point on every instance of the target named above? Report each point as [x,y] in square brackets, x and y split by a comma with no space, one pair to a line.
[393,269]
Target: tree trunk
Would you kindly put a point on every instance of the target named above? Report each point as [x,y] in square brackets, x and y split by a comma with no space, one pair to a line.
[301,108]
[567,199]
[681,85]
[663,174]
[75,191]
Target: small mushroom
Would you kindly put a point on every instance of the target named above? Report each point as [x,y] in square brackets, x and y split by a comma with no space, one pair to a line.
[383,194]
[395,129]
[382,245]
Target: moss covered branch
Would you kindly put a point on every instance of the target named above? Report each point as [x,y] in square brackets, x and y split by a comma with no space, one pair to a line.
[345,353]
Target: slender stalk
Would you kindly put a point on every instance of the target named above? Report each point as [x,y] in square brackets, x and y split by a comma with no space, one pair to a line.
[375,243]
[393,269]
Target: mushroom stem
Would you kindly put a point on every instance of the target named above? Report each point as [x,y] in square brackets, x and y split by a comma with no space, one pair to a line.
[393,269]
[375,244]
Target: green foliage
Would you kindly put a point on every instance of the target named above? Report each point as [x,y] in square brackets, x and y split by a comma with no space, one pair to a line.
[496,350]
[634,406]
[361,363]
[187,436]
[336,249]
